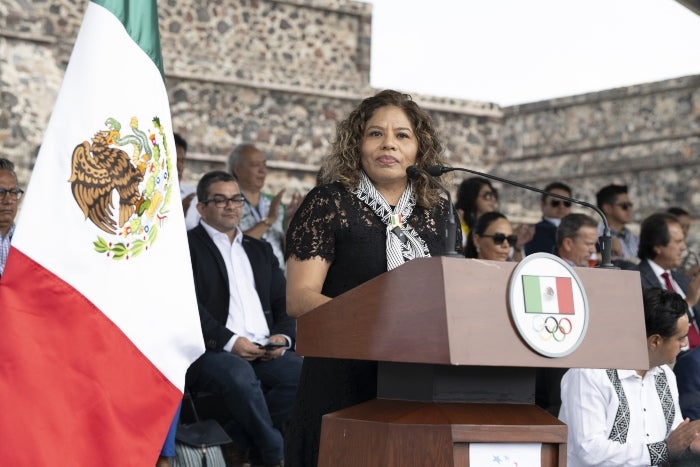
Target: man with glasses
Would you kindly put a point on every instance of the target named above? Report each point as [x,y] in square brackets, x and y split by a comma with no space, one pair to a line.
[615,203]
[553,209]
[10,194]
[249,338]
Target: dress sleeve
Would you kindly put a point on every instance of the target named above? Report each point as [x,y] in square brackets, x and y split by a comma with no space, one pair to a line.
[312,230]
[587,397]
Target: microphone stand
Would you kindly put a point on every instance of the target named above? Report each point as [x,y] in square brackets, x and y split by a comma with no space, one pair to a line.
[605,239]
[414,172]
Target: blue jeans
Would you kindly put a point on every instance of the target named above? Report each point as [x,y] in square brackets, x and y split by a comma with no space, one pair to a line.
[258,395]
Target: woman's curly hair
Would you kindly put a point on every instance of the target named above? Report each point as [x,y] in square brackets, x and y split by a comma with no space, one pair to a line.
[343,164]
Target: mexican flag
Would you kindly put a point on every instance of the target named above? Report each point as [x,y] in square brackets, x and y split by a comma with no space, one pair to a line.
[547,294]
[98,313]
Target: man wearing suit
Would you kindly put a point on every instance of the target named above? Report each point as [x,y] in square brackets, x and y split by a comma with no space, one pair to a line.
[553,209]
[242,303]
[661,246]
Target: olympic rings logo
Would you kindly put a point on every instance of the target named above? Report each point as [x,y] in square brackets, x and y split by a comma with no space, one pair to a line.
[552,328]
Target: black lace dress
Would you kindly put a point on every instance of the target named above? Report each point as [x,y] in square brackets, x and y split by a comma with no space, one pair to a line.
[334,225]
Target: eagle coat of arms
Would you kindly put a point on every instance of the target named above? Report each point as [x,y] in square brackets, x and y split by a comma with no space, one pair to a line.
[103,174]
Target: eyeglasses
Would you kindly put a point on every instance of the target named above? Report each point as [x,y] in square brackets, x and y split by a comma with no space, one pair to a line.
[625,205]
[498,238]
[489,195]
[222,201]
[555,203]
[13,193]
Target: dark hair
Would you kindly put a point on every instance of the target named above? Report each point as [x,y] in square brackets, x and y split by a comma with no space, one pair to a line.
[570,225]
[480,226]
[654,232]
[556,186]
[7,164]
[343,163]
[676,211]
[609,193]
[662,309]
[180,141]
[208,179]
[468,193]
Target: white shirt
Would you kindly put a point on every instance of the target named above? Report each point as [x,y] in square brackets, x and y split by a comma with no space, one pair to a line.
[590,406]
[658,270]
[245,313]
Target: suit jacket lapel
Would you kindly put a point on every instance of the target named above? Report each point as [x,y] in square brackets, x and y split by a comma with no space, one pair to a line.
[209,245]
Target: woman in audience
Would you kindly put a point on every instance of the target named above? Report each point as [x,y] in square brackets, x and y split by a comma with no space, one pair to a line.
[492,238]
[475,197]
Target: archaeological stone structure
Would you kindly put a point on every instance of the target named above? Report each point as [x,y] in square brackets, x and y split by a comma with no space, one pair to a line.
[281,73]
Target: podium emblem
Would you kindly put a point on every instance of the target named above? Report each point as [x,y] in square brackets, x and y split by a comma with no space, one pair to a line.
[548,305]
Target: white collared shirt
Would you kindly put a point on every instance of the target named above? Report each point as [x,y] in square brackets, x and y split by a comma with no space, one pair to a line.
[591,408]
[658,270]
[245,313]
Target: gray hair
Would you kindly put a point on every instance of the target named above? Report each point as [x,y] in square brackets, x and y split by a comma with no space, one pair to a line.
[236,156]
[6,164]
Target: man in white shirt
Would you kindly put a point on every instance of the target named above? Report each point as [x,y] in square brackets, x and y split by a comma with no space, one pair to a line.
[632,417]
[248,336]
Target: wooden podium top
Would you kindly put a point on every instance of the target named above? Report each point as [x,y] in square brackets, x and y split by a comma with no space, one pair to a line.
[454,311]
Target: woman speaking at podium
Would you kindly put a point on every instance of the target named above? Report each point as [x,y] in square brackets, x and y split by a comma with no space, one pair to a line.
[365,218]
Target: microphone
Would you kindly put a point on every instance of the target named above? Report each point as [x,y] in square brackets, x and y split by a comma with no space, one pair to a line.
[605,239]
[414,172]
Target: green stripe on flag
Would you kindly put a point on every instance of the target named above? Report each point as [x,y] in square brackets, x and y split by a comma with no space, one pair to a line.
[140,19]
[533,295]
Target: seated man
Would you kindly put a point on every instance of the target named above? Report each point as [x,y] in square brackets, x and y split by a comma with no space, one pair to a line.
[10,194]
[615,203]
[661,246]
[553,210]
[632,417]
[577,236]
[242,303]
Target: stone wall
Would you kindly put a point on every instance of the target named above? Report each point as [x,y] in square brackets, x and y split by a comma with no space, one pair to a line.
[645,136]
[282,73]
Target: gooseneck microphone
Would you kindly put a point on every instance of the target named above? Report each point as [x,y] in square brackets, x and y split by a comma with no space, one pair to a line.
[605,239]
[450,236]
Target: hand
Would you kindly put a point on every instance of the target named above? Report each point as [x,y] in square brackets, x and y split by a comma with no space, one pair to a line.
[274,211]
[693,293]
[246,349]
[693,271]
[525,232]
[275,353]
[683,437]
[186,201]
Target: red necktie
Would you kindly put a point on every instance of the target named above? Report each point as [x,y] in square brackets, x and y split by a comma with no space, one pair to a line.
[667,279]
[693,336]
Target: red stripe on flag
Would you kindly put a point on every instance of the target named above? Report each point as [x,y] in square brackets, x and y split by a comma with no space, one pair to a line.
[74,389]
[565,296]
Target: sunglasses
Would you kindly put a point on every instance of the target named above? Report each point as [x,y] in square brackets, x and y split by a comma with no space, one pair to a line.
[625,205]
[555,203]
[498,238]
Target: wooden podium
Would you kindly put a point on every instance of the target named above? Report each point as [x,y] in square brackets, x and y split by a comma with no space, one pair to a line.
[453,369]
